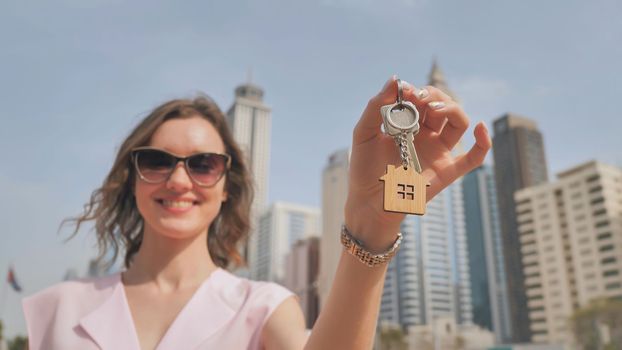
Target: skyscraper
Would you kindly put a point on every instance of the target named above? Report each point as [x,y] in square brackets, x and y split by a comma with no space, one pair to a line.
[571,239]
[250,123]
[424,280]
[485,250]
[282,225]
[334,195]
[520,162]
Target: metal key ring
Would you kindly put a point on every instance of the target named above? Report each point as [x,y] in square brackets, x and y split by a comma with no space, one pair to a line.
[400,91]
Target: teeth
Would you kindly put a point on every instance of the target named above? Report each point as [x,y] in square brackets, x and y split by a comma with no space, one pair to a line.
[176,204]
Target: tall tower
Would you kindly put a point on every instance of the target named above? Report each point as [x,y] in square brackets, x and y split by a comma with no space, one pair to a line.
[250,122]
[518,150]
[485,249]
[457,230]
[334,195]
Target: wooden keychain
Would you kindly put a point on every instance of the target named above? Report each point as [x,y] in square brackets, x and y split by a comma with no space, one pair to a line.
[404,186]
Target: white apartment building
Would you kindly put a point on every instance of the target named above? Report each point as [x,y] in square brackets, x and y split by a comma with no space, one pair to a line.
[282,225]
[571,241]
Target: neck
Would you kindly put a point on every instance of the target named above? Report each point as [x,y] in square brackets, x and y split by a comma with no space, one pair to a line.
[169,263]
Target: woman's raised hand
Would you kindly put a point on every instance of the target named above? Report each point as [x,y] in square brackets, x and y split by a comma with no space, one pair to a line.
[442,124]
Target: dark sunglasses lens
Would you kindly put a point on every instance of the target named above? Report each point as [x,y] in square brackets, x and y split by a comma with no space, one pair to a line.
[154,165]
[207,168]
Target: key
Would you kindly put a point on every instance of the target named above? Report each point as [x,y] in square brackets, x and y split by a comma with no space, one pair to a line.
[410,138]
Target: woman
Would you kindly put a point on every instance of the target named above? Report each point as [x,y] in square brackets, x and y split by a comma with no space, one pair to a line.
[178,182]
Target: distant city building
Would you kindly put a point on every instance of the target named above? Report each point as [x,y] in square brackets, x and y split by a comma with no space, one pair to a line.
[444,333]
[485,251]
[301,272]
[282,225]
[71,274]
[518,150]
[334,195]
[97,269]
[571,239]
[250,123]
[429,276]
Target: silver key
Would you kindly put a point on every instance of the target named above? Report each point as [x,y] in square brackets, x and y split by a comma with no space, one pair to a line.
[410,139]
[401,120]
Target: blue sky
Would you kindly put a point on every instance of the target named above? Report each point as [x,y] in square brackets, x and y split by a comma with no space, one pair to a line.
[76,75]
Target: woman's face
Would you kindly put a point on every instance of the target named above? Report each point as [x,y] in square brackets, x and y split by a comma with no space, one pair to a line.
[178,207]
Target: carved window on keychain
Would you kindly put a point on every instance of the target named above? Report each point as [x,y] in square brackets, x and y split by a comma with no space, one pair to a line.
[406,191]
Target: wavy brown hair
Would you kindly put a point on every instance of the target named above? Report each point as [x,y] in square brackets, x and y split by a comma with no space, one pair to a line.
[119,225]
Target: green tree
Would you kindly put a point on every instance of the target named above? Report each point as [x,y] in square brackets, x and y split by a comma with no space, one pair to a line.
[392,338]
[598,325]
[18,343]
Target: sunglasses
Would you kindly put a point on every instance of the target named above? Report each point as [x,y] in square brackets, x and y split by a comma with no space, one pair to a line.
[156,166]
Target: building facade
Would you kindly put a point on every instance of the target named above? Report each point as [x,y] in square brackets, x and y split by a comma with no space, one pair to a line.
[518,150]
[282,225]
[250,122]
[571,240]
[301,272]
[485,251]
[334,195]
[429,277]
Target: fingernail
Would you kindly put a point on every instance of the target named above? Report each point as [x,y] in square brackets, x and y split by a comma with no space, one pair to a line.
[436,105]
[423,93]
[387,85]
[485,128]
[407,85]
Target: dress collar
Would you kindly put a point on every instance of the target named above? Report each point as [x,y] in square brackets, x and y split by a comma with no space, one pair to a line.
[111,325]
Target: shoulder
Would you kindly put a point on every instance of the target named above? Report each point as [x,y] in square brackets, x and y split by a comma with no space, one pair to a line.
[79,292]
[63,304]
[244,291]
[257,298]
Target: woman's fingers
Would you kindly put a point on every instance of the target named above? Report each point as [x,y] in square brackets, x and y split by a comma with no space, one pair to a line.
[457,123]
[475,156]
[369,124]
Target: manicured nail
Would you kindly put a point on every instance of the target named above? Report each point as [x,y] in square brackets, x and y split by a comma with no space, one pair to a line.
[407,85]
[436,105]
[485,128]
[387,85]
[423,93]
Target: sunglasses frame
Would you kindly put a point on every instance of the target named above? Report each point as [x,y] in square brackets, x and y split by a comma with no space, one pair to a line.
[134,159]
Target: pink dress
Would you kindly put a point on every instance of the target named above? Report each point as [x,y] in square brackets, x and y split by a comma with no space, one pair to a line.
[226,312]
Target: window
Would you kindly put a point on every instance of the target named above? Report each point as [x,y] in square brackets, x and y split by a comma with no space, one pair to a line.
[600,212]
[611,273]
[597,200]
[406,191]
[602,223]
[596,189]
[609,260]
[604,235]
[592,178]
[606,248]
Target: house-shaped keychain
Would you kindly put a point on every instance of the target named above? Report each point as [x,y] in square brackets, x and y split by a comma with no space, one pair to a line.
[404,190]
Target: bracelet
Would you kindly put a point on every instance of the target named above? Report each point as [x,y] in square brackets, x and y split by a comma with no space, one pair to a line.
[358,250]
